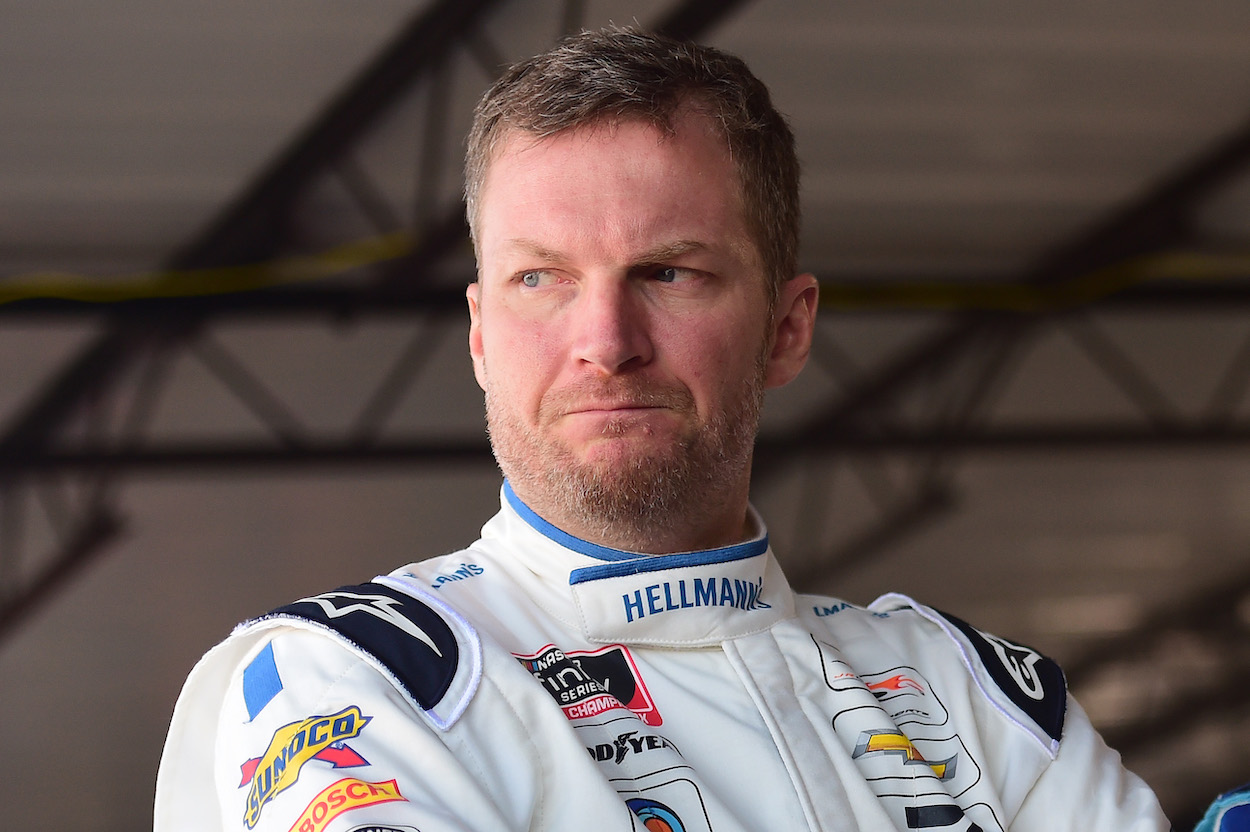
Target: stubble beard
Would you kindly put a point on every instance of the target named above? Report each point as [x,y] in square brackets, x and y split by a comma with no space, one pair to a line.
[631,501]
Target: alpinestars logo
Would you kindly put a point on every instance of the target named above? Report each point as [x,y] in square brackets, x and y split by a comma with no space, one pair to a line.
[379,606]
[586,683]
[1021,664]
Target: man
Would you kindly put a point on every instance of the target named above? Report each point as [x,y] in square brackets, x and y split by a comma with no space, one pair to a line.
[620,649]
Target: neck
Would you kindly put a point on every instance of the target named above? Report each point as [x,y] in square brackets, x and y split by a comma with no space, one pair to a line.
[705,525]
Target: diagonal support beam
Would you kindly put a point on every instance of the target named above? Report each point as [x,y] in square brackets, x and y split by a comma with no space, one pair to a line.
[245,230]
[97,529]
[1157,219]
[249,228]
[255,225]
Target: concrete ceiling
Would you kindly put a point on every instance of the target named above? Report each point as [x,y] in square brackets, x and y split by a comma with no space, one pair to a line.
[958,144]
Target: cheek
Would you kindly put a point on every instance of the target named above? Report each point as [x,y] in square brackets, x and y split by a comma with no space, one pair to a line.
[520,359]
[715,359]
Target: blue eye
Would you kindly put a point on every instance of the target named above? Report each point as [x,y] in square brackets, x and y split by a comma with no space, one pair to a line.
[531,279]
[667,275]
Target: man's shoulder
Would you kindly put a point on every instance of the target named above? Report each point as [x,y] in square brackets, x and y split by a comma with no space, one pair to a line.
[1022,685]
[302,682]
[418,644]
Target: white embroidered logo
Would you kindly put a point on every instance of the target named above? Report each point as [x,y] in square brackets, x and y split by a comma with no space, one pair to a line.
[379,606]
[1020,663]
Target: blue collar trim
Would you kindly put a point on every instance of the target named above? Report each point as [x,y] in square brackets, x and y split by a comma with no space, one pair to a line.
[620,562]
[658,563]
[560,536]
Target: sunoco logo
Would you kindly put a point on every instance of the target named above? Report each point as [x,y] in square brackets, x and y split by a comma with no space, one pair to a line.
[292,746]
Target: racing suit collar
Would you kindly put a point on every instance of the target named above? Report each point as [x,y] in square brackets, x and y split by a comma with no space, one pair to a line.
[688,598]
[749,548]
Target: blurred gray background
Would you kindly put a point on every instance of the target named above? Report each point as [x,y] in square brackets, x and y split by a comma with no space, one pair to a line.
[232,341]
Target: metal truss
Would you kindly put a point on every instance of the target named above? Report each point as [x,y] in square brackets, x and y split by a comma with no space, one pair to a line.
[63,454]
[963,364]
[897,425]
[1183,673]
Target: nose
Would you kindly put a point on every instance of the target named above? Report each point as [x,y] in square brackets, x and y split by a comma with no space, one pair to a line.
[611,331]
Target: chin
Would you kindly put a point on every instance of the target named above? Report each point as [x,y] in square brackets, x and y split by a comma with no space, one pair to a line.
[627,451]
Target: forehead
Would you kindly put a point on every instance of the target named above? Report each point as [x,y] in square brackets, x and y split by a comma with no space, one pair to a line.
[688,135]
[616,177]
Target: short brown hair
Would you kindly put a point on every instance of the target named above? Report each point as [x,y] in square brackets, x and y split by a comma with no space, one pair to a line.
[620,74]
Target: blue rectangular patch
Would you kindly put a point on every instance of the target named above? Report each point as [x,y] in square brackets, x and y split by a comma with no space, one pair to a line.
[261,682]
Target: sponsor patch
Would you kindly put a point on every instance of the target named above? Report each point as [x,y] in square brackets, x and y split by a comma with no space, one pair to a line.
[899,683]
[338,755]
[293,745]
[919,778]
[343,796]
[464,570]
[696,592]
[261,682]
[587,683]
[665,803]
[897,765]
[901,691]
[627,744]
[894,742]
[942,816]
[655,816]
[825,610]
[1034,683]
[399,631]
[905,695]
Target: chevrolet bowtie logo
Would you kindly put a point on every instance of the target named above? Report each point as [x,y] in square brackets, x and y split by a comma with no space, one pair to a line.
[892,742]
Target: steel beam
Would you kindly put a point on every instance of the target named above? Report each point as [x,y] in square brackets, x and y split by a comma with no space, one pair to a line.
[253,227]
[245,230]
[1152,222]
[841,296]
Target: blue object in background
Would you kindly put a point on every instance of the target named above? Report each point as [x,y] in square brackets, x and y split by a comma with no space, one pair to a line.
[1229,813]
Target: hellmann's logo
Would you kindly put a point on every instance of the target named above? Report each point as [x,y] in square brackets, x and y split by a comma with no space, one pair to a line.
[292,746]
[696,592]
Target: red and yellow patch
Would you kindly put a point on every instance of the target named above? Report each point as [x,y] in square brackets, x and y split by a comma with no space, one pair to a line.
[292,746]
[343,796]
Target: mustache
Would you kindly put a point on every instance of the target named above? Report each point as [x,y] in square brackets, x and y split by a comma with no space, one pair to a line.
[617,391]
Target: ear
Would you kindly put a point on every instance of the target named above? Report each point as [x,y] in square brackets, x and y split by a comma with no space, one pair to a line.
[474,295]
[793,324]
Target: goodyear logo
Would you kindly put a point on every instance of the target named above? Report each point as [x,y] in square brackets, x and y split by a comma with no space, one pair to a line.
[892,742]
[292,746]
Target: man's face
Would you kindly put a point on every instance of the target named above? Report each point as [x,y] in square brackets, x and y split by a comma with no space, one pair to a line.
[620,328]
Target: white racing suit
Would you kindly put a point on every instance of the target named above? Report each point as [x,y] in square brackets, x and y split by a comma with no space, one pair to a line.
[535,681]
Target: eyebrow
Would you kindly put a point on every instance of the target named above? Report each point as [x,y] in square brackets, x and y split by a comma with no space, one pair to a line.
[671,251]
[536,250]
[660,254]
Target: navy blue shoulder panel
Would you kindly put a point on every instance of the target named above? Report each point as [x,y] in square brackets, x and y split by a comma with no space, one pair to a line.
[402,633]
[1030,680]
